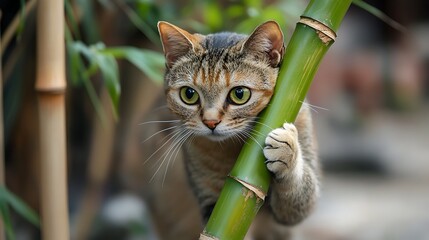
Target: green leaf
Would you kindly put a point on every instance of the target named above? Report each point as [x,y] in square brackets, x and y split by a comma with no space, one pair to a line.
[7,223]
[73,25]
[76,67]
[7,197]
[83,49]
[149,62]
[96,102]
[104,59]
[109,70]
[139,23]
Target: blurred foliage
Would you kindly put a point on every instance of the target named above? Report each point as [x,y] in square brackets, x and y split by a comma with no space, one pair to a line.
[85,61]
[8,199]
[103,59]
[150,62]
[214,16]
[97,60]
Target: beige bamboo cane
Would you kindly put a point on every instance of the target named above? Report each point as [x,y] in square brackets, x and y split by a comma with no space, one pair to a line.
[51,86]
[2,172]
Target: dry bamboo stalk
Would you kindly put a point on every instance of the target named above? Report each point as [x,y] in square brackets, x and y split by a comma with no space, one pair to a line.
[51,86]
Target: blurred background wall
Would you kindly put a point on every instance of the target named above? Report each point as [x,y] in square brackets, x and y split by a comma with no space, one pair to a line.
[369,100]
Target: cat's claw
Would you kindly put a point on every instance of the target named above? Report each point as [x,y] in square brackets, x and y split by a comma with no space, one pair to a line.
[281,149]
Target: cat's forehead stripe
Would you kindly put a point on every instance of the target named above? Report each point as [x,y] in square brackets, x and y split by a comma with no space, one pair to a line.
[194,78]
[203,75]
[216,79]
[207,75]
[227,76]
[210,75]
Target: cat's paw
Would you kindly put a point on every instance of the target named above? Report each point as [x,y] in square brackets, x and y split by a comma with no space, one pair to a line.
[281,150]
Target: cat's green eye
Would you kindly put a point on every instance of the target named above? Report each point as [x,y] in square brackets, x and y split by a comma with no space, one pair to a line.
[189,95]
[239,95]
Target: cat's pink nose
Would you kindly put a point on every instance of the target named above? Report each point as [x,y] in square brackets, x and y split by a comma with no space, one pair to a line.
[211,123]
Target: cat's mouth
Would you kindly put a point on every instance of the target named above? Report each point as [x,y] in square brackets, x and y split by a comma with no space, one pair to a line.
[221,132]
[219,135]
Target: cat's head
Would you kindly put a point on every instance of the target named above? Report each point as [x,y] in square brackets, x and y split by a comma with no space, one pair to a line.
[217,84]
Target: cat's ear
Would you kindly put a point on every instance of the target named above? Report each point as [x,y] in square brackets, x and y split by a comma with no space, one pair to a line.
[177,42]
[266,39]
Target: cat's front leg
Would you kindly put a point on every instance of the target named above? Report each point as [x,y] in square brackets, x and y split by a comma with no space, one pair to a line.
[294,186]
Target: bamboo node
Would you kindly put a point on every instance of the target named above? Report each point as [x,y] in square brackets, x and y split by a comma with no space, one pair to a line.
[52,91]
[258,192]
[325,33]
[204,236]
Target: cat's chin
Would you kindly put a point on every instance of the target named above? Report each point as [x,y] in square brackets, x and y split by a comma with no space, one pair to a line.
[220,135]
[217,137]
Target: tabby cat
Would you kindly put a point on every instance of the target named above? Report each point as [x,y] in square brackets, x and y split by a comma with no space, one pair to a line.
[217,85]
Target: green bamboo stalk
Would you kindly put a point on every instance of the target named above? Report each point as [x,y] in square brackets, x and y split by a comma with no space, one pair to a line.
[248,183]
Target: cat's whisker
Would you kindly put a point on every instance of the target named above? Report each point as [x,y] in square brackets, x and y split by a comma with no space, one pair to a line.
[164,155]
[253,131]
[191,138]
[175,152]
[160,121]
[238,136]
[234,138]
[174,133]
[247,134]
[180,146]
[256,136]
[170,153]
[313,107]
[160,131]
[263,124]
[243,137]
[258,133]
[177,146]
